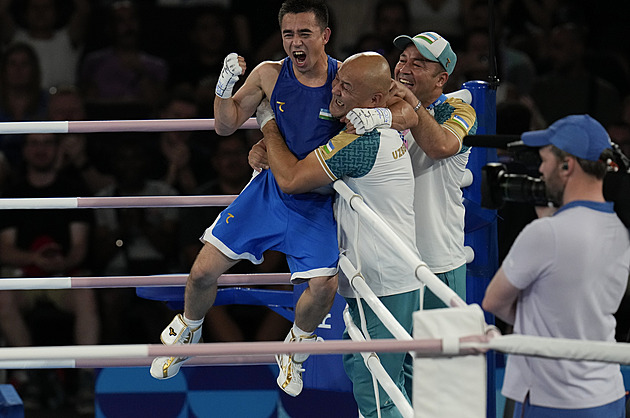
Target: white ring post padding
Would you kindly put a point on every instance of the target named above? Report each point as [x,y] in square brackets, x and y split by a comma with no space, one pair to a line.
[151,125]
[375,367]
[53,127]
[37,364]
[116,202]
[407,254]
[39,203]
[456,377]
[463,94]
[360,286]
[34,283]
[562,348]
[467,179]
[470,254]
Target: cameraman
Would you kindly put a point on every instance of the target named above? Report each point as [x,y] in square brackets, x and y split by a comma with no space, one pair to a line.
[564,277]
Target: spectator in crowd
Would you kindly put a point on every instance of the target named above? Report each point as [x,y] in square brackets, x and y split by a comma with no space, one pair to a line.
[210,39]
[76,153]
[21,97]
[133,241]
[256,37]
[390,18]
[123,73]
[58,48]
[570,87]
[441,16]
[46,243]
[181,158]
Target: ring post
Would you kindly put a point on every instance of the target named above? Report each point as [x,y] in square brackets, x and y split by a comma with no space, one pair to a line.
[483,236]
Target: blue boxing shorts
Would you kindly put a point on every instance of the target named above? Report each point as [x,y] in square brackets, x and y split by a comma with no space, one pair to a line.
[263,218]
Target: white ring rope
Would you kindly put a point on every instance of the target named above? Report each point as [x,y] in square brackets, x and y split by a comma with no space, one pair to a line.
[361,287]
[160,280]
[133,362]
[116,202]
[151,125]
[608,352]
[562,348]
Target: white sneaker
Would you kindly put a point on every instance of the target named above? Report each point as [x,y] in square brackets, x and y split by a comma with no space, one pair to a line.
[290,376]
[177,332]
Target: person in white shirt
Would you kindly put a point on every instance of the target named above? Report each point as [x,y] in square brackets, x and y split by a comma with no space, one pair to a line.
[564,277]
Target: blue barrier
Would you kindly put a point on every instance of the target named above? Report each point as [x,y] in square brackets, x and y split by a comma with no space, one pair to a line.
[11,405]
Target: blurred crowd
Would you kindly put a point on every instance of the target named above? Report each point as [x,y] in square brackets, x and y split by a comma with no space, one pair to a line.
[65,60]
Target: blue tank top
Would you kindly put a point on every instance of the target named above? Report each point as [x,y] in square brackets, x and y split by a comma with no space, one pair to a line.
[302,112]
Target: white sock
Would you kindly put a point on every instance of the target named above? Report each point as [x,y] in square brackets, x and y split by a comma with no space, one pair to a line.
[298,332]
[193,323]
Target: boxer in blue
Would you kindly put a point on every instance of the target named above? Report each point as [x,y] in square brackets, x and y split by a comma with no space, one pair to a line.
[263,217]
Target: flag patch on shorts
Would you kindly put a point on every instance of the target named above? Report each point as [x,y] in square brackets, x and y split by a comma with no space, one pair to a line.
[329,147]
[325,114]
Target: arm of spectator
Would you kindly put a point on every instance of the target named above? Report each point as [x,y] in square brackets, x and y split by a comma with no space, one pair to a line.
[79,235]
[47,257]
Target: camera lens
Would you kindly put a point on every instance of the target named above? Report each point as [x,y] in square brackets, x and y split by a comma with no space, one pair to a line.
[523,189]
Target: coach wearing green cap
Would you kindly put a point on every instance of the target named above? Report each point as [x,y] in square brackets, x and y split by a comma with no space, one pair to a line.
[438,156]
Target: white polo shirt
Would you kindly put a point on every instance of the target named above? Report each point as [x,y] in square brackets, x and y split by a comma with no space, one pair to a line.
[572,269]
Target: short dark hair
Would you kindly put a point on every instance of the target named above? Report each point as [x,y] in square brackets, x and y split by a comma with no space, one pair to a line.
[317,7]
[596,169]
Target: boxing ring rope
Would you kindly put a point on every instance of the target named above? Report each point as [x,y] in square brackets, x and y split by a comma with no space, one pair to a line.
[556,348]
[159,280]
[249,360]
[261,352]
[116,202]
[360,286]
[150,125]
[409,255]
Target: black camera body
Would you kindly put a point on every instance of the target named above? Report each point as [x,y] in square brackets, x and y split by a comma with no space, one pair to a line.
[499,186]
[500,183]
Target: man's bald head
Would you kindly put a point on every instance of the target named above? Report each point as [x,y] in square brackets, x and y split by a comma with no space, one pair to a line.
[364,80]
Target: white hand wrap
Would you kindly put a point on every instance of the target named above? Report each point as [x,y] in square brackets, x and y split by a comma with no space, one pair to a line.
[365,120]
[229,76]
[264,113]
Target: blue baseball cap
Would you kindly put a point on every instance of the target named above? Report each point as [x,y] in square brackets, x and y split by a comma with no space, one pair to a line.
[432,46]
[579,135]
